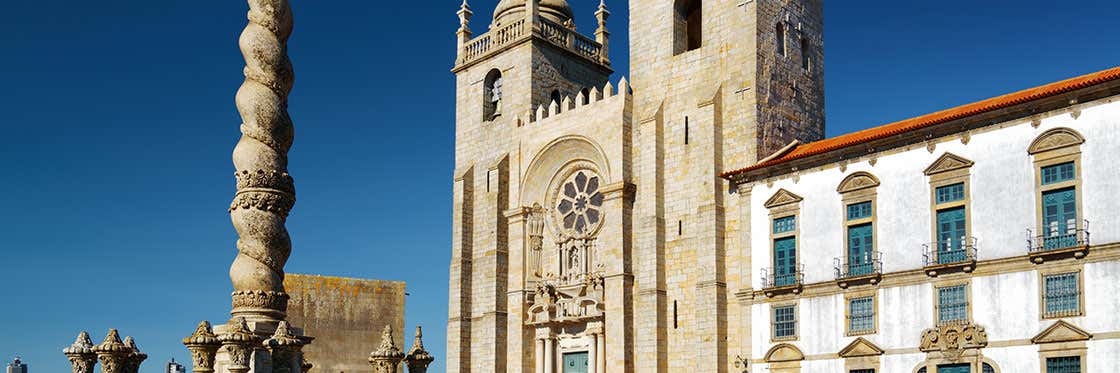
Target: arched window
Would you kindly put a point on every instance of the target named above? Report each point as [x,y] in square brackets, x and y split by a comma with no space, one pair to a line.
[492,96]
[987,368]
[555,97]
[780,36]
[806,59]
[688,26]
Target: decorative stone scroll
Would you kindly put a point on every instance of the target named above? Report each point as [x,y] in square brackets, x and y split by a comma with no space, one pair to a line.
[203,345]
[953,340]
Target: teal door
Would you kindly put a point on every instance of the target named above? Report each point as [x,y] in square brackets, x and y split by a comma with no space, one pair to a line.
[785,261]
[575,362]
[1059,218]
[959,368]
[860,248]
[950,236]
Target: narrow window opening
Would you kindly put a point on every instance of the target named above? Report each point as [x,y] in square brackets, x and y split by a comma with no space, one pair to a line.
[674,314]
[680,227]
[586,96]
[554,97]
[781,38]
[806,59]
[686,130]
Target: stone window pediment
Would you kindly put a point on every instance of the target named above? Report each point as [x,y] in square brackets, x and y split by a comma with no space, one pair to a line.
[1061,331]
[859,348]
[1056,138]
[781,198]
[784,352]
[948,162]
[858,181]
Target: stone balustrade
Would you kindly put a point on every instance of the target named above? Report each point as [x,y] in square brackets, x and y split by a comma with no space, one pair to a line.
[517,31]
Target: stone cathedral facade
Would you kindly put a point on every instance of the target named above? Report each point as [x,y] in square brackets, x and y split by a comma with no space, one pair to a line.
[694,218]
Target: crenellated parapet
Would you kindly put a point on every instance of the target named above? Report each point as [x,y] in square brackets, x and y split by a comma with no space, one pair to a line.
[594,100]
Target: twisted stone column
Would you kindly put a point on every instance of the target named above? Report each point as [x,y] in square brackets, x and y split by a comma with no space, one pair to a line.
[81,355]
[113,353]
[418,358]
[203,345]
[265,191]
[239,343]
[387,357]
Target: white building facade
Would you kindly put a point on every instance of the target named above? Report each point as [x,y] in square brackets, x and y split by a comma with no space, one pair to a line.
[979,239]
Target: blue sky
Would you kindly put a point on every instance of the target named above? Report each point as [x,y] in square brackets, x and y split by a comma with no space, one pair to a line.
[118,121]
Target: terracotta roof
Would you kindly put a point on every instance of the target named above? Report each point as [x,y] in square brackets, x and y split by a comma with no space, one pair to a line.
[912,124]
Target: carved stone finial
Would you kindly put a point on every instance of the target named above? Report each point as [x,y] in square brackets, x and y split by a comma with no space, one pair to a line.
[81,355]
[135,356]
[239,342]
[203,344]
[417,358]
[602,36]
[265,192]
[112,353]
[285,348]
[387,357]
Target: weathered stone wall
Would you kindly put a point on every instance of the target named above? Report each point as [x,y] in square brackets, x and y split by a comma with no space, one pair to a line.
[346,317]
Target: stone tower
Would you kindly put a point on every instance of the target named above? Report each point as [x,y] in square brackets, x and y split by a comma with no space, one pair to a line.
[530,63]
[590,224]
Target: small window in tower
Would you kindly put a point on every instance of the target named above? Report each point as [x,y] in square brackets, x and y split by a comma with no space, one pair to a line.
[686,130]
[674,314]
[555,97]
[492,96]
[780,37]
[586,96]
[806,58]
[688,26]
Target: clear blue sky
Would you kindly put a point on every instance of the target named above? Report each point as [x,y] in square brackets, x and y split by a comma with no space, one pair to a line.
[118,122]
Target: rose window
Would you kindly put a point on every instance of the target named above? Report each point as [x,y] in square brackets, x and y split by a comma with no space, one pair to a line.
[579,204]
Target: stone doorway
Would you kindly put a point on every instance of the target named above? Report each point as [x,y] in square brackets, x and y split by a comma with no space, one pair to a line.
[575,362]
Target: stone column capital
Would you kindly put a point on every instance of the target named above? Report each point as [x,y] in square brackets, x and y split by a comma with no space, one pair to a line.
[113,353]
[81,354]
[203,345]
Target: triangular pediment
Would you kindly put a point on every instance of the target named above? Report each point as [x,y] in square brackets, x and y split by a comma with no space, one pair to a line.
[784,352]
[1061,331]
[861,347]
[781,198]
[857,181]
[948,162]
[1055,139]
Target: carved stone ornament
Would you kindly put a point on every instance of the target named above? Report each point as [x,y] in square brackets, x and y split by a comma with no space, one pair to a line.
[858,181]
[135,356]
[577,204]
[1055,139]
[783,352]
[203,345]
[948,162]
[953,340]
[269,300]
[285,348]
[81,355]
[859,348]
[418,358]
[113,353]
[1061,331]
[387,356]
[781,198]
[239,342]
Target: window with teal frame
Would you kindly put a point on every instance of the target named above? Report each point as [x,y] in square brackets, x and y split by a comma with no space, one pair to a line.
[859,210]
[950,193]
[785,322]
[952,304]
[862,371]
[987,368]
[786,224]
[861,315]
[1062,294]
[1064,364]
[1058,173]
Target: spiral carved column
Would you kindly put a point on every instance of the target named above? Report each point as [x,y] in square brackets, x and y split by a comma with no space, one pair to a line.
[265,191]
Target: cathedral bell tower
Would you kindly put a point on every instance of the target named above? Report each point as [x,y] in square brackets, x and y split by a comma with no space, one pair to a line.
[529,63]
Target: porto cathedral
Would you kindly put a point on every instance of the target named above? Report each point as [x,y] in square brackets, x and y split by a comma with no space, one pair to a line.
[694,218]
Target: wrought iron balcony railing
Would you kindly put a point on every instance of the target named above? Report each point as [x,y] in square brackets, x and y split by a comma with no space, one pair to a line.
[869,264]
[776,277]
[950,252]
[1054,238]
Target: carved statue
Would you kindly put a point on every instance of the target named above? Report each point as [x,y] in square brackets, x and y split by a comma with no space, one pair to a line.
[265,191]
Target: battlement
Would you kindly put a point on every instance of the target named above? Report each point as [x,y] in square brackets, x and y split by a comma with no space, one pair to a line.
[595,98]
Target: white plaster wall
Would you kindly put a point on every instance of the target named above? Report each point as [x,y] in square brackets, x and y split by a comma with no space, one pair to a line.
[1002,207]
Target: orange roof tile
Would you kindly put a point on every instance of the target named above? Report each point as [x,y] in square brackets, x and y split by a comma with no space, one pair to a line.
[963,111]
